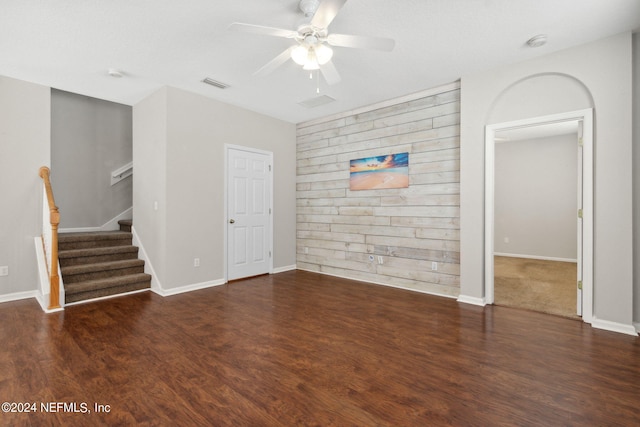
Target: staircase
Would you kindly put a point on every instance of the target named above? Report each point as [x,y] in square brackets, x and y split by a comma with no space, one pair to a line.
[99,264]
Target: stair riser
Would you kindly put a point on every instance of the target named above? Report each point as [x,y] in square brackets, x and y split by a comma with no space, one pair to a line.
[103,274]
[81,296]
[88,244]
[65,262]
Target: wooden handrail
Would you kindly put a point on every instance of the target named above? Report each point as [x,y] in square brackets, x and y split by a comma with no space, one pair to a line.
[54,219]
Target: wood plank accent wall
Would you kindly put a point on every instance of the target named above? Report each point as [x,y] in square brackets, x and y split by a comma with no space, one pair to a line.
[338,229]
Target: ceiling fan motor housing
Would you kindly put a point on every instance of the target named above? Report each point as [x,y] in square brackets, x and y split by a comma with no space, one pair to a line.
[309,7]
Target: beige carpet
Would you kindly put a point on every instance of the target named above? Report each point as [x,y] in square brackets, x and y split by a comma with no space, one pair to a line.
[546,286]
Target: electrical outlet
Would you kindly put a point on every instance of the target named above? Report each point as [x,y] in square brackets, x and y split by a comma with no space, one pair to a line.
[4,270]
[506,240]
[380,260]
[434,266]
[196,262]
[306,250]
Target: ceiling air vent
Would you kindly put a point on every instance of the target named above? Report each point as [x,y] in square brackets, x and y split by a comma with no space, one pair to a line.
[317,101]
[215,83]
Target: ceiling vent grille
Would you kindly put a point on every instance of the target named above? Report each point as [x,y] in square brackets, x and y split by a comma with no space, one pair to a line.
[317,101]
[215,83]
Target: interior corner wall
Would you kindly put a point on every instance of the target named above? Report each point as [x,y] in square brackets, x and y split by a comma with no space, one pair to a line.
[636,180]
[90,138]
[25,128]
[603,68]
[184,151]
[385,236]
[150,178]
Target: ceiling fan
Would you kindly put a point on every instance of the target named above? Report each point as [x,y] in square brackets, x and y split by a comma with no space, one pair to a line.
[313,44]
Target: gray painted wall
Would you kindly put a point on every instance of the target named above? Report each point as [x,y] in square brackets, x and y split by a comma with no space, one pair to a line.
[595,75]
[24,147]
[536,197]
[90,138]
[179,140]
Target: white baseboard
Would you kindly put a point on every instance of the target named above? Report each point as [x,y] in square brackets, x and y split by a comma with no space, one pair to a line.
[466,299]
[16,296]
[614,326]
[544,258]
[189,288]
[156,286]
[110,225]
[106,297]
[436,294]
[283,269]
[637,326]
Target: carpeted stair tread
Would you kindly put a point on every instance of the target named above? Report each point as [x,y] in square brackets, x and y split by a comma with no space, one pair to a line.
[111,282]
[112,265]
[101,270]
[92,235]
[125,224]
[86,252]
[99,264]
[69,241]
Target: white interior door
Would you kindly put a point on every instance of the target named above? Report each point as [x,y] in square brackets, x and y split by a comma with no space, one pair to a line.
[248,213]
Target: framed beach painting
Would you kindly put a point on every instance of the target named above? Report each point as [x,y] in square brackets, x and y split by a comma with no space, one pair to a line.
[370,173]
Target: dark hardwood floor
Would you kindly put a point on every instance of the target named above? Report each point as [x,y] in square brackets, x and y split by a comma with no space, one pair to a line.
[299,348]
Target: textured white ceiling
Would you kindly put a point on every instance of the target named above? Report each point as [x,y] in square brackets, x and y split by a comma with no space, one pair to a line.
[70,45]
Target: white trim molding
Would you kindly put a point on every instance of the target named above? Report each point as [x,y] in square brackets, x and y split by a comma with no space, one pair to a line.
[370,282]
[148,266]
[110,225]
[586,117]
[18,296]
[188,288]
[466,299]
[608,325]
[540,257]
[277,270]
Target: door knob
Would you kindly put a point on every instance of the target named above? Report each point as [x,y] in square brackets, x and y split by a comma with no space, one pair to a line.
[231,221]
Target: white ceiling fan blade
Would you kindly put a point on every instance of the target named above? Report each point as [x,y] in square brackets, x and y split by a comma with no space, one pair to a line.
[262,30]
[274,63]
[327,10]
[330,73]
[361,42]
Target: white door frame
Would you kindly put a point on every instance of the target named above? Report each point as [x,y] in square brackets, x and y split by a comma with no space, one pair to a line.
[586,117]
[228,147]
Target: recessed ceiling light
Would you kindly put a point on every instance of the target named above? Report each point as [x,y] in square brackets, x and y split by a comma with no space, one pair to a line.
[115,73]
[537,41]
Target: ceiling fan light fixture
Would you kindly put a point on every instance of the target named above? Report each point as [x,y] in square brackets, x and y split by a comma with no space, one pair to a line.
[300,55]
[312,62]
[323,53]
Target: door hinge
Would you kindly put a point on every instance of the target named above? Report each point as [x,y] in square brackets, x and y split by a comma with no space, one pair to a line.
[580,284]
[269,211]
[580,142]
[269,168]
[270,257]
[580,213]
